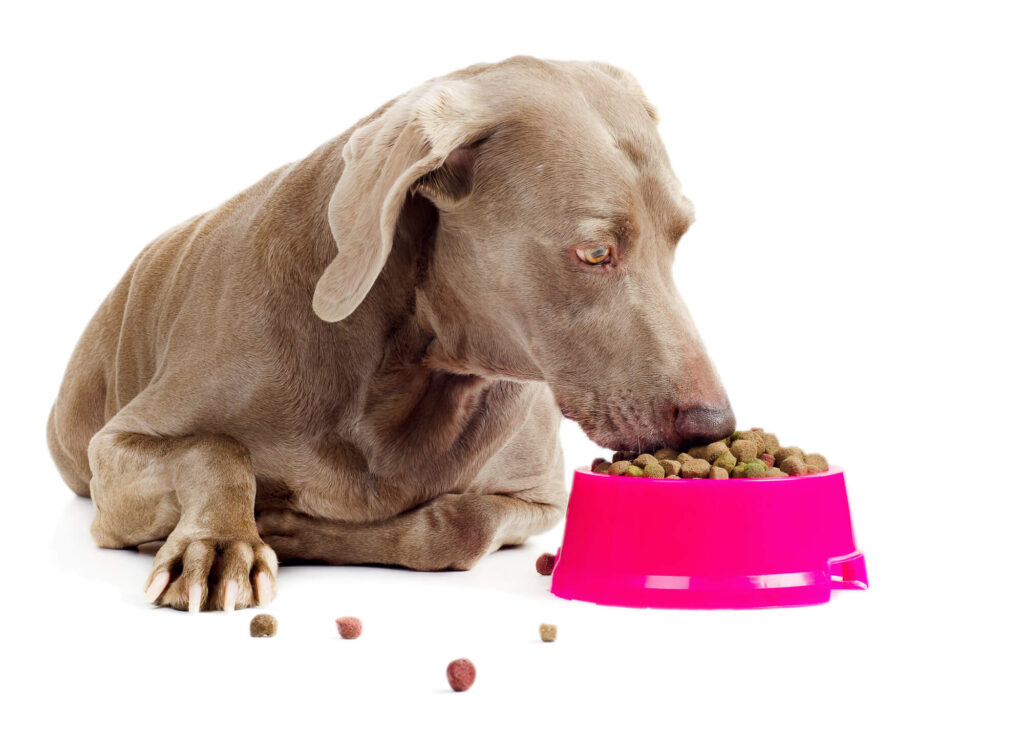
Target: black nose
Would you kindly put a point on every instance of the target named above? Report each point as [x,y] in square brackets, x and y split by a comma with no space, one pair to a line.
[701,424]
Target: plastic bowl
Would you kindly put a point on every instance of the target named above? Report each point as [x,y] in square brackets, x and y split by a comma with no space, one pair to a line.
[707,543]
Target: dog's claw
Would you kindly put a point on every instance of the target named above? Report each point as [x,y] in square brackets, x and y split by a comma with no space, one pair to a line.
[157,586]
[264,588]
[195,598]
[230,595]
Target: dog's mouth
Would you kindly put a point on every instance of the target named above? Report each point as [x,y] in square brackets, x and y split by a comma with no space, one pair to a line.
[618,428]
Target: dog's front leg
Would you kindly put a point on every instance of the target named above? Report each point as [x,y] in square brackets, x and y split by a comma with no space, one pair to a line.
[196,491]
[452,531]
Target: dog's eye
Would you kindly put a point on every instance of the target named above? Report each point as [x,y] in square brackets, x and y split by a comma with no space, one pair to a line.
[593,255]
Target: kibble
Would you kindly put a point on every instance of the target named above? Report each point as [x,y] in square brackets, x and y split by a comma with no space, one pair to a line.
[263,625]
[548,632]
[461,674]
[749,454]
[695,469]
[671,467]
[619,468]
[743,450]
[654,470]
[545,564]
[349,627]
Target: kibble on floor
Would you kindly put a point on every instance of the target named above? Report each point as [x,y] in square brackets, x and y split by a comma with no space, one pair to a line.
[263,625]
[548,632]
[461,674]
[546,564]
[349,627]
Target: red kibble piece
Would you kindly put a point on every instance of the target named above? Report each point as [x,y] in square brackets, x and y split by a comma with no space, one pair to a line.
[349,627]
[768,460]
[461,674]
[545,564]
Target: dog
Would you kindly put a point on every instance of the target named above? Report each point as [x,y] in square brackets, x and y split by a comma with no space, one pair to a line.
[364,358]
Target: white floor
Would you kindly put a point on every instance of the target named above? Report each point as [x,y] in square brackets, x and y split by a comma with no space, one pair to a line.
[82,645]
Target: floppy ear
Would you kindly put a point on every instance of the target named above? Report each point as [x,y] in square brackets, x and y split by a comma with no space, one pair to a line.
[423,141]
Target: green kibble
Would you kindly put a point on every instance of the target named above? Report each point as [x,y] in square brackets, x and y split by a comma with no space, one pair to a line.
[654,471]
[743,450]
[619,468]
[634,471]
[735,435]
[774,471]
[739,471]
[755,469]
[726,461]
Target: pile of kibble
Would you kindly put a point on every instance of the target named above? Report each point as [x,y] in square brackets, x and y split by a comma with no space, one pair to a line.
[745,454]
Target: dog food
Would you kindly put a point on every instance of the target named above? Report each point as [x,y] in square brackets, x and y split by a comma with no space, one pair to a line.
[548,632]
[745,454]
[349,627]
[461,674]
[545,564]
[263,625]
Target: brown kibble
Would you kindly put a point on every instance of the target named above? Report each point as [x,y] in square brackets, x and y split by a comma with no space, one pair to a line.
[768,459]
[714,450]
[683,458]
[757,430]
[263,625]
[743,450]
[623,456]
[545,564]
[718,472]
[726,461]
[774,471]
[756,438]
[643,460]
[793,466]
[785,452]
[671,467]
[461,674]
[349,627]
[694,452]
[666,453]
[600,465]
[695,469]
[817,462]
[771,443]
[654,470]
[619,468]
[548,632]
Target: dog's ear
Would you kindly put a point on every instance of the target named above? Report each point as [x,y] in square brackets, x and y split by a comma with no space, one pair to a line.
[424,141]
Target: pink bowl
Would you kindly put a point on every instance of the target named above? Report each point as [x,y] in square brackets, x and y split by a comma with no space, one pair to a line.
[707,543]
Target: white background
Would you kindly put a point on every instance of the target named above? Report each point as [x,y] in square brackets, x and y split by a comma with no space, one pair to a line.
[855,271]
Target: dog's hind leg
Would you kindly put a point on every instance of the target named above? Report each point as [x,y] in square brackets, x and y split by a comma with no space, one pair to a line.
[452,531]
[198,492]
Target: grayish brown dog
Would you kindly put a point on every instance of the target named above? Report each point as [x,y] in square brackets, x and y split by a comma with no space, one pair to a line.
[364,358]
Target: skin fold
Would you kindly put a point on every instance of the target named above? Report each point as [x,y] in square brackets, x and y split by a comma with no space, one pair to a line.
[365,357]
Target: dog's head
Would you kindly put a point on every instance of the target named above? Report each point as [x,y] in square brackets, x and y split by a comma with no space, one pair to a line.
[557,219]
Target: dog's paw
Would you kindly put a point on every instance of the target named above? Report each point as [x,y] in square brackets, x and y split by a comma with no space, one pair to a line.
[203,574]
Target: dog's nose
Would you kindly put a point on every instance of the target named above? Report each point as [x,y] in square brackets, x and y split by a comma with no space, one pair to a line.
[703,424]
